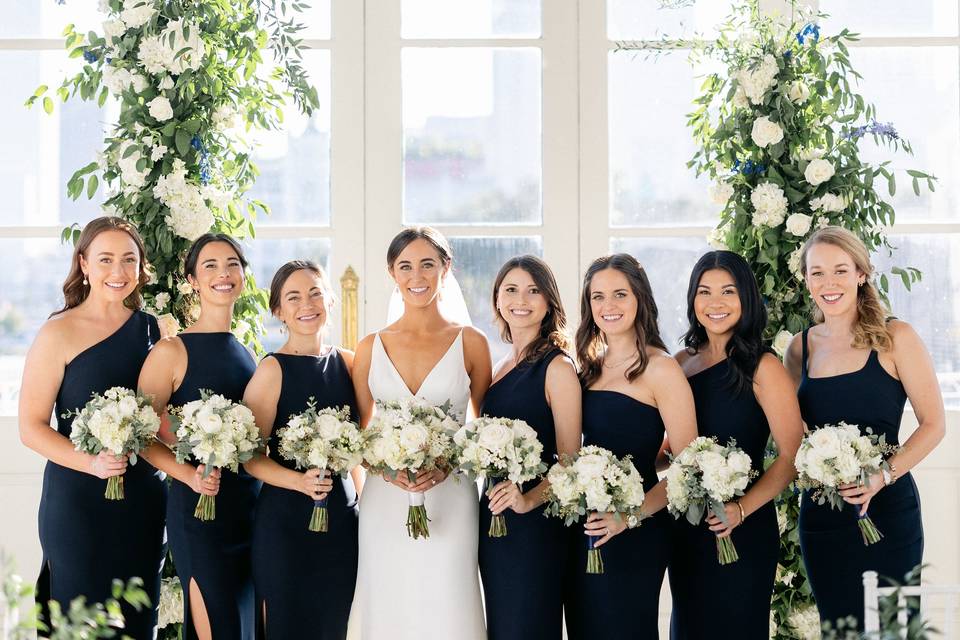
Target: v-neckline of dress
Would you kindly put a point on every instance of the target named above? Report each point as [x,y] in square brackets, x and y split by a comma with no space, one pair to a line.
[423,382]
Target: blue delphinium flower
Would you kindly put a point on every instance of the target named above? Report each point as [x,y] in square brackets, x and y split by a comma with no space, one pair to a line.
[810,30]
[196,143]
[90,56]
[883,129]
[749,168]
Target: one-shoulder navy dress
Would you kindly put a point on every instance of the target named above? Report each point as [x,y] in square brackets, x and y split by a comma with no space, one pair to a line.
[305,579]
[623,601]
[702,589]
[215,553]
[523,572]
[833,551]
[88,540]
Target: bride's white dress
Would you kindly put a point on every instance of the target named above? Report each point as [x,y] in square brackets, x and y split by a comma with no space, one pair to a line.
[428,588]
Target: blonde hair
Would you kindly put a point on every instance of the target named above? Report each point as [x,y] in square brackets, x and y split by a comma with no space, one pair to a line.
[870,330]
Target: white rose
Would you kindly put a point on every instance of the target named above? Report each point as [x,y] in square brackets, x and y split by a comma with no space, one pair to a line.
[414,437]
[160,108]
[136,13]
[116,79]
[769,203]
[590,466]
[740,100]
[781,342]
[161,300]
[720,193]
[766,132]
[114,29]
[209,422]
[799,224]
[818,171]
[166,83]
[329,427]
[829,203]
[798,92]
[140,82]
[494,436]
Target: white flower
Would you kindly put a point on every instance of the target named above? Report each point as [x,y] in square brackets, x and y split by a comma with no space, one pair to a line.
[136,13]
[590,466]
[171,603]
[209,421]
[770,205]
[329,427]
[160,108]
[781,342]
[793,263]
[805,622]
[218,198]
[494,436]
[188,215]
[129,173]
[756,82]
[809,154]
[765,132]
[155,56]
[224,117]
[103,6]
[818,171]
[798,92]
[720,193]
[158,152]
[799,224]
[828,203]
[717,238]
[161,300]
[140,82]
[114,29]
[116,79]
[414,436]
[168,325]
[740,100]
[193,55]
[185,288]
[166,83]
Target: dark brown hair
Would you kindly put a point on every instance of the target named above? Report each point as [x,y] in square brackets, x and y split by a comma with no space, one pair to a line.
[590,340]
[287,270]
[193,254]
[74,291]
[553,327]
[408,235]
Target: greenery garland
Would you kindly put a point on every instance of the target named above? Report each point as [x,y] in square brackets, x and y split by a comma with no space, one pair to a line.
[191,81]
[778,130]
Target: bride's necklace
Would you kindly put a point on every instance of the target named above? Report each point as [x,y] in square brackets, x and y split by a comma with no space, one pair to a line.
[629,358]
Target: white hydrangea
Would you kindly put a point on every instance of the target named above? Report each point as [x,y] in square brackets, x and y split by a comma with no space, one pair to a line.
[805,622]
[717,238]
[765,132]
[116,79]
[757,81]
[818,171]
[770,205]
[720,193]
[129,174]
[828,203]
[188,215]
[171,603]
[136,13]
[114,28]
[154,55]
[193,56]
[799,224]
[740,100]
[793,263]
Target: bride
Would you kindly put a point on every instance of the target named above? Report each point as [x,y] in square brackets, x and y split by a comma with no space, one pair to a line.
[426,588]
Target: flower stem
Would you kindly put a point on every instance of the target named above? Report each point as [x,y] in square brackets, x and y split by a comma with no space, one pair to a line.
[498,526]
[417,520]
[319,519]
[726,552]
[206,508]
[868,530]
[114,488]
[594,558]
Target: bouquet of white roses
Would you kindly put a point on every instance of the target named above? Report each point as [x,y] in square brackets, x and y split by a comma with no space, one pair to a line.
[324,439]
[498,448]
[119,421]
[410,436]
[593,480]
[218,433]
[702,478]
[832,456]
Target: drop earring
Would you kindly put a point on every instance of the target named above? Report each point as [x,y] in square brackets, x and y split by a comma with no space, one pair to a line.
[85,283]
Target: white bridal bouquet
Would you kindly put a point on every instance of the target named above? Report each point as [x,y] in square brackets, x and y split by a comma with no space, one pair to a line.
[702,478]
[497,449]
[120,421]
[832,456]
[218,433]
[410,436]
[327,440]
[594,480]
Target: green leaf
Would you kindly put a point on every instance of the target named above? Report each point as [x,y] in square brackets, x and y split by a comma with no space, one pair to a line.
[47,104]
[182,141]
[92,185]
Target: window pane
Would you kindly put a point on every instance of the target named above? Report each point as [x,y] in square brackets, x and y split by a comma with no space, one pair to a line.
[476,262]
[266,255]
[470,19]
[33,274]
[932,306]
[645,20]
[471,124]
[317,19]
[668,263]
[892,17]
[47,19]
[650,143]
[39,152]
[294,161]
[916,88]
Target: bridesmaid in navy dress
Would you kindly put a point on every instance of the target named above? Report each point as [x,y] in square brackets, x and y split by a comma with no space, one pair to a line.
[212,558]
[304,580]
[855,365]
[634,393]
[536,382]
[743,393]
[98,340]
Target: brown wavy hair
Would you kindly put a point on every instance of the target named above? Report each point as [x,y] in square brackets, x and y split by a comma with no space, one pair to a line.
[590,341]
[553,327]
[74,291]
[870,330]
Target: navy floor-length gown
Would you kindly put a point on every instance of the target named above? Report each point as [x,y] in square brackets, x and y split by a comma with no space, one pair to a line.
[305,579]
[523,572]
[88,540]
[702,589]
[833,551]
[215,553]
[622,602]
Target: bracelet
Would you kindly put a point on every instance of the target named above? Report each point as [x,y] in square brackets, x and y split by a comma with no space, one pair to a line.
[742,516]
[893,473]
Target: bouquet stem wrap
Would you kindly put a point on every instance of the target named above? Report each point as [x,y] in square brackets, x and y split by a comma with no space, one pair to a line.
[320,519]
[726,551]
[594,557]
[114,488]
[206,508]
[417,520]
[498,523]
[868,530]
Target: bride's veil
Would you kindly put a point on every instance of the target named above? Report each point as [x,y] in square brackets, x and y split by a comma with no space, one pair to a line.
[451,304]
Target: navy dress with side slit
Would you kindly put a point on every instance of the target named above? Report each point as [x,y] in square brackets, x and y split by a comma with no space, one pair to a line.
[216,553]
[305,580]
[522,573]
[88,540]
[702,589]
[833,551]
[623,601]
